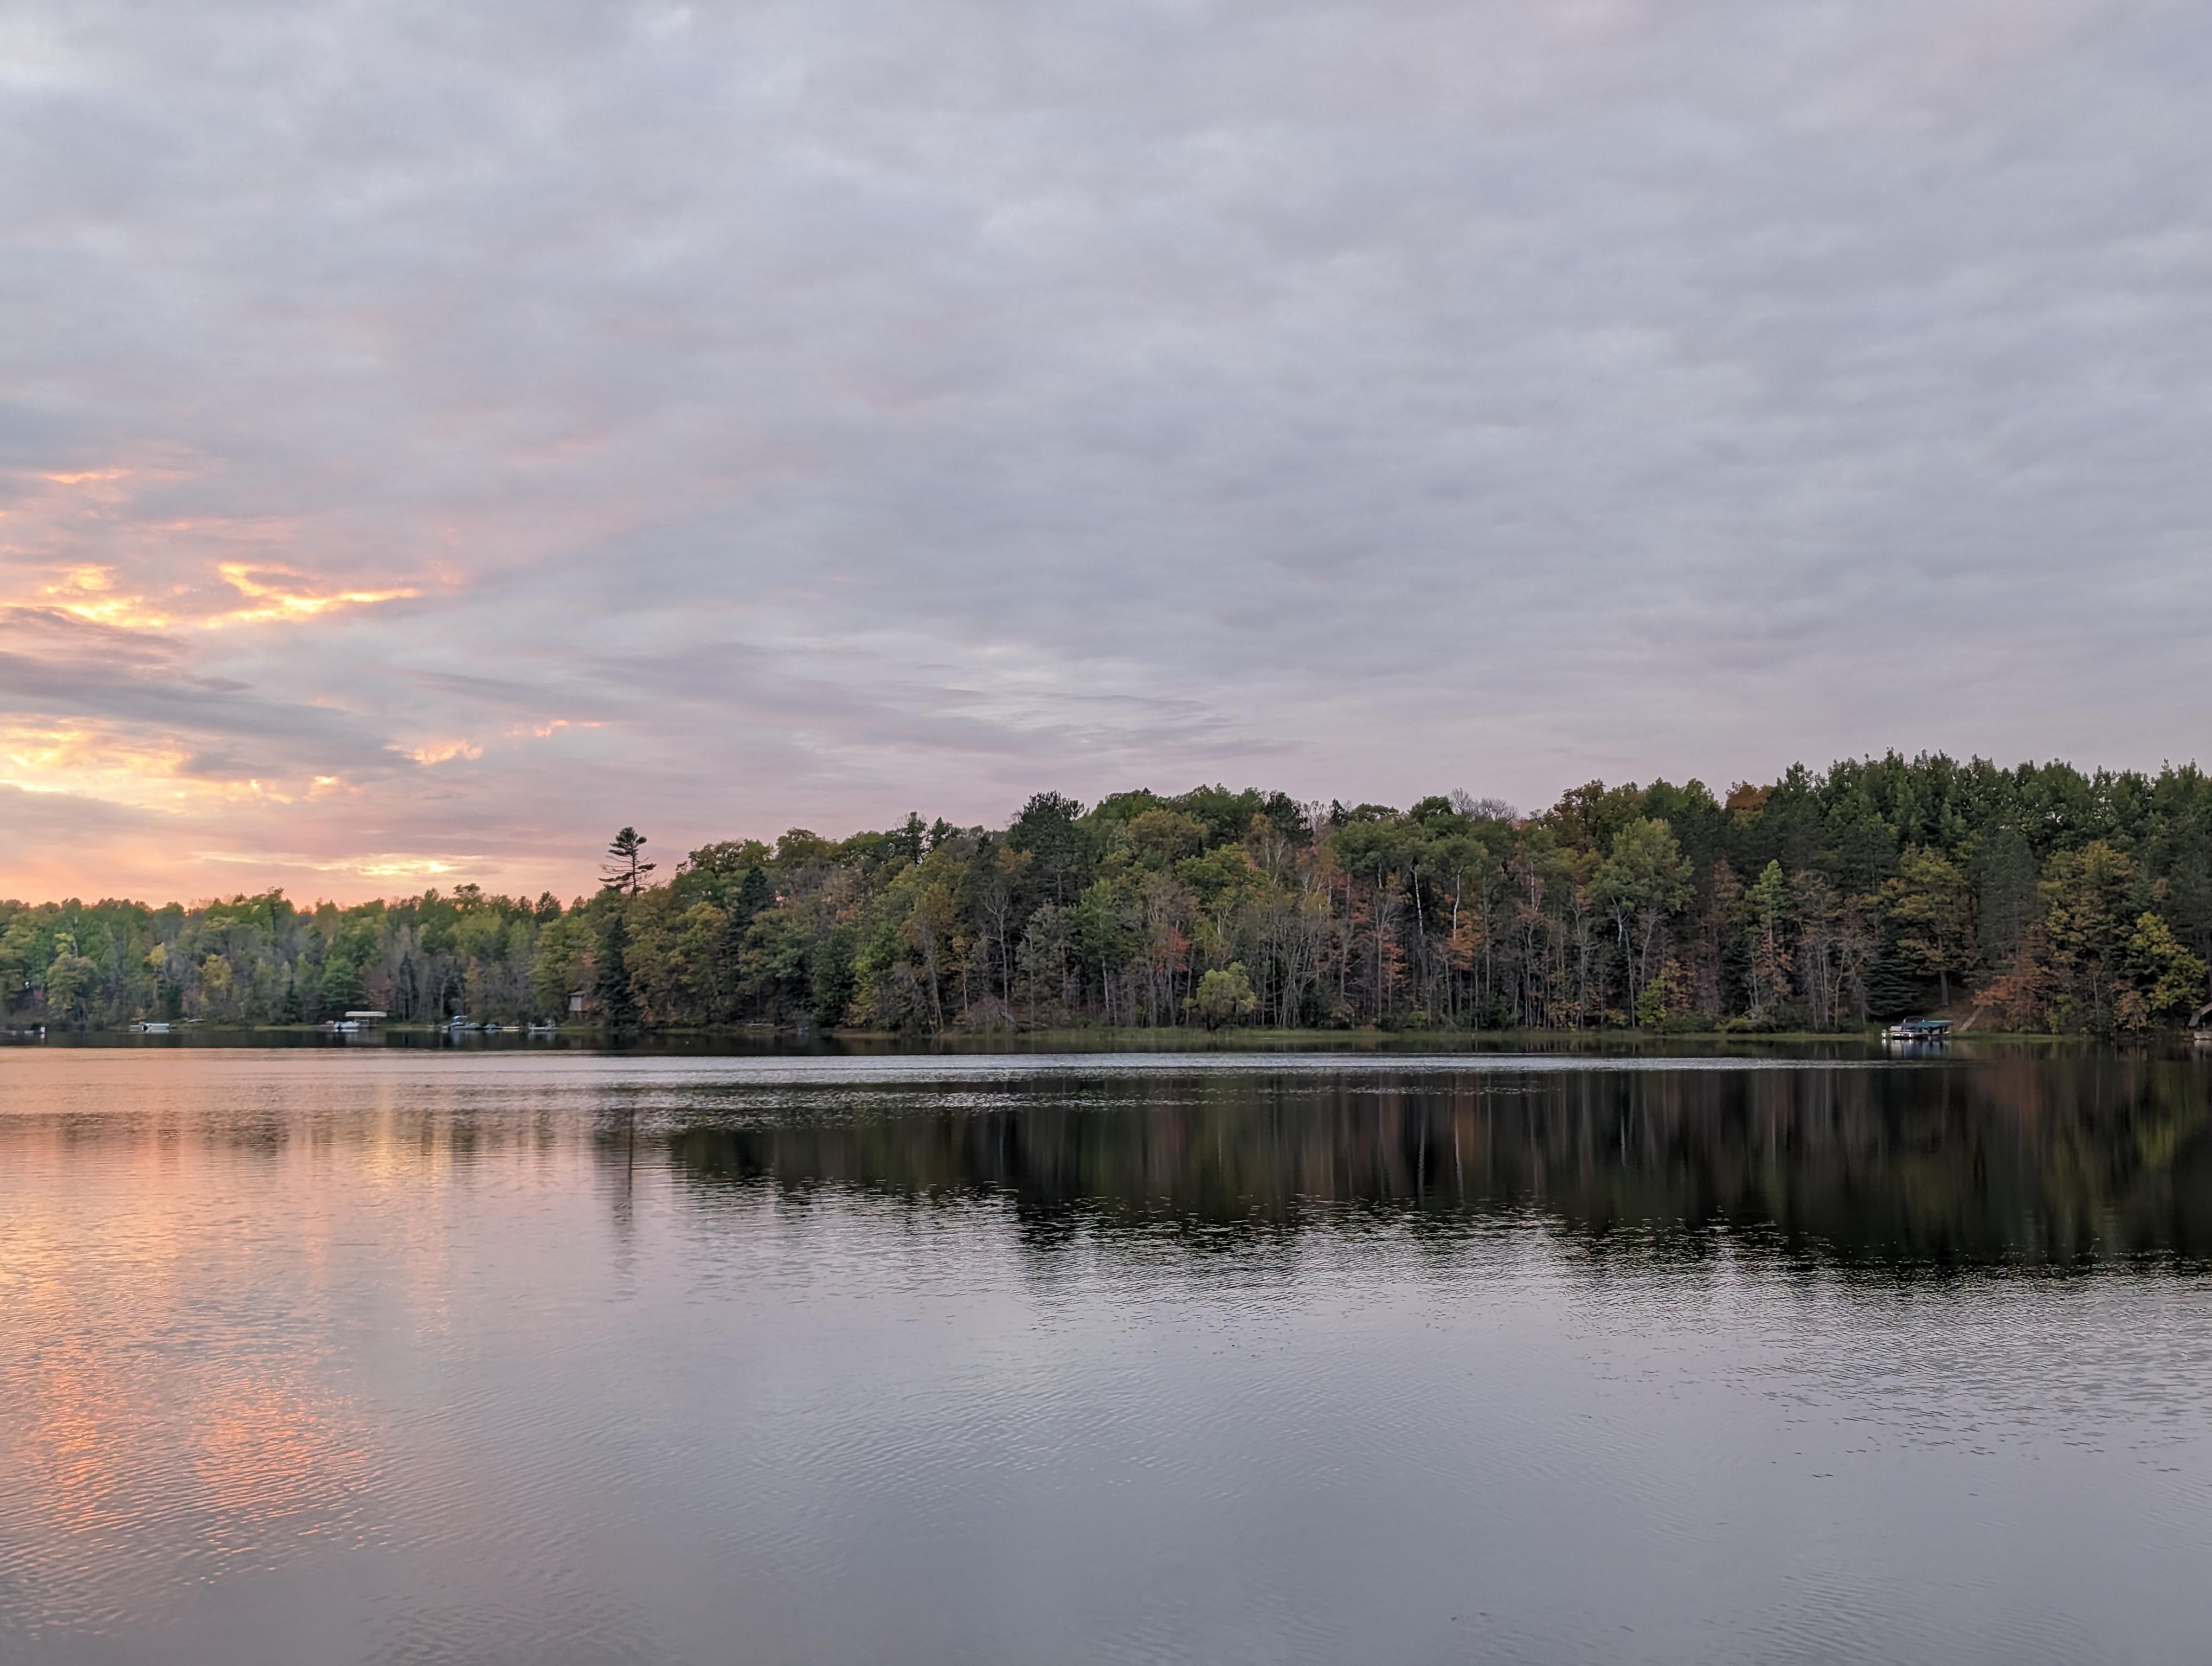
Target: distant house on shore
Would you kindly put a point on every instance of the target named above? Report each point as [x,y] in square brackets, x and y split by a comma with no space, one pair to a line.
[579,1002]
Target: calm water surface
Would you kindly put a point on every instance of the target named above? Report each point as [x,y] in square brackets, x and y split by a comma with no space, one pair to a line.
[386,1357]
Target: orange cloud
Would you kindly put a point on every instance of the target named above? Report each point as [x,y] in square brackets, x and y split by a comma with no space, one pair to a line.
[390,867]
[276,594]
[93,761]
[279,601]
[89,592]
[442,751]
[80,758]
[381,865]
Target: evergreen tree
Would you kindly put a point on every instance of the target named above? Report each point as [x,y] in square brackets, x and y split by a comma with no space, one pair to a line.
[626,865]
[618,998]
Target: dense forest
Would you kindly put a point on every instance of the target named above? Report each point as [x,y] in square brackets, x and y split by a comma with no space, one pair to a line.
[2034,898]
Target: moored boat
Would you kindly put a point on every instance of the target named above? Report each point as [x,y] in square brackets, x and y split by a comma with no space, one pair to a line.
[1919,1030]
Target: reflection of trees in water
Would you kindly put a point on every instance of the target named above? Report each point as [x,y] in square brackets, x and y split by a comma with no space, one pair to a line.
[2039,1161]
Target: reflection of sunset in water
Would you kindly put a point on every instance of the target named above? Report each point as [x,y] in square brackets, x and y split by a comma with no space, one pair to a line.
[179,1271]
[143,1401]
[266,1458]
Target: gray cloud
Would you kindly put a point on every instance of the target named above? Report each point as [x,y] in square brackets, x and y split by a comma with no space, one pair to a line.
[845,406]
[58,670]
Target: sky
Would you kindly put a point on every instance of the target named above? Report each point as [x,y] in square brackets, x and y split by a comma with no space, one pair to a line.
[433,436]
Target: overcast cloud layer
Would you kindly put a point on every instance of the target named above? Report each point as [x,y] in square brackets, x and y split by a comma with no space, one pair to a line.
[431,436]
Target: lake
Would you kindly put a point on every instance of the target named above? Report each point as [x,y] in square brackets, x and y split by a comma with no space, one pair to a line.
[390,1355]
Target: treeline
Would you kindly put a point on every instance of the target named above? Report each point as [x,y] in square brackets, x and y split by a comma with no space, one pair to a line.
[2041,897]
